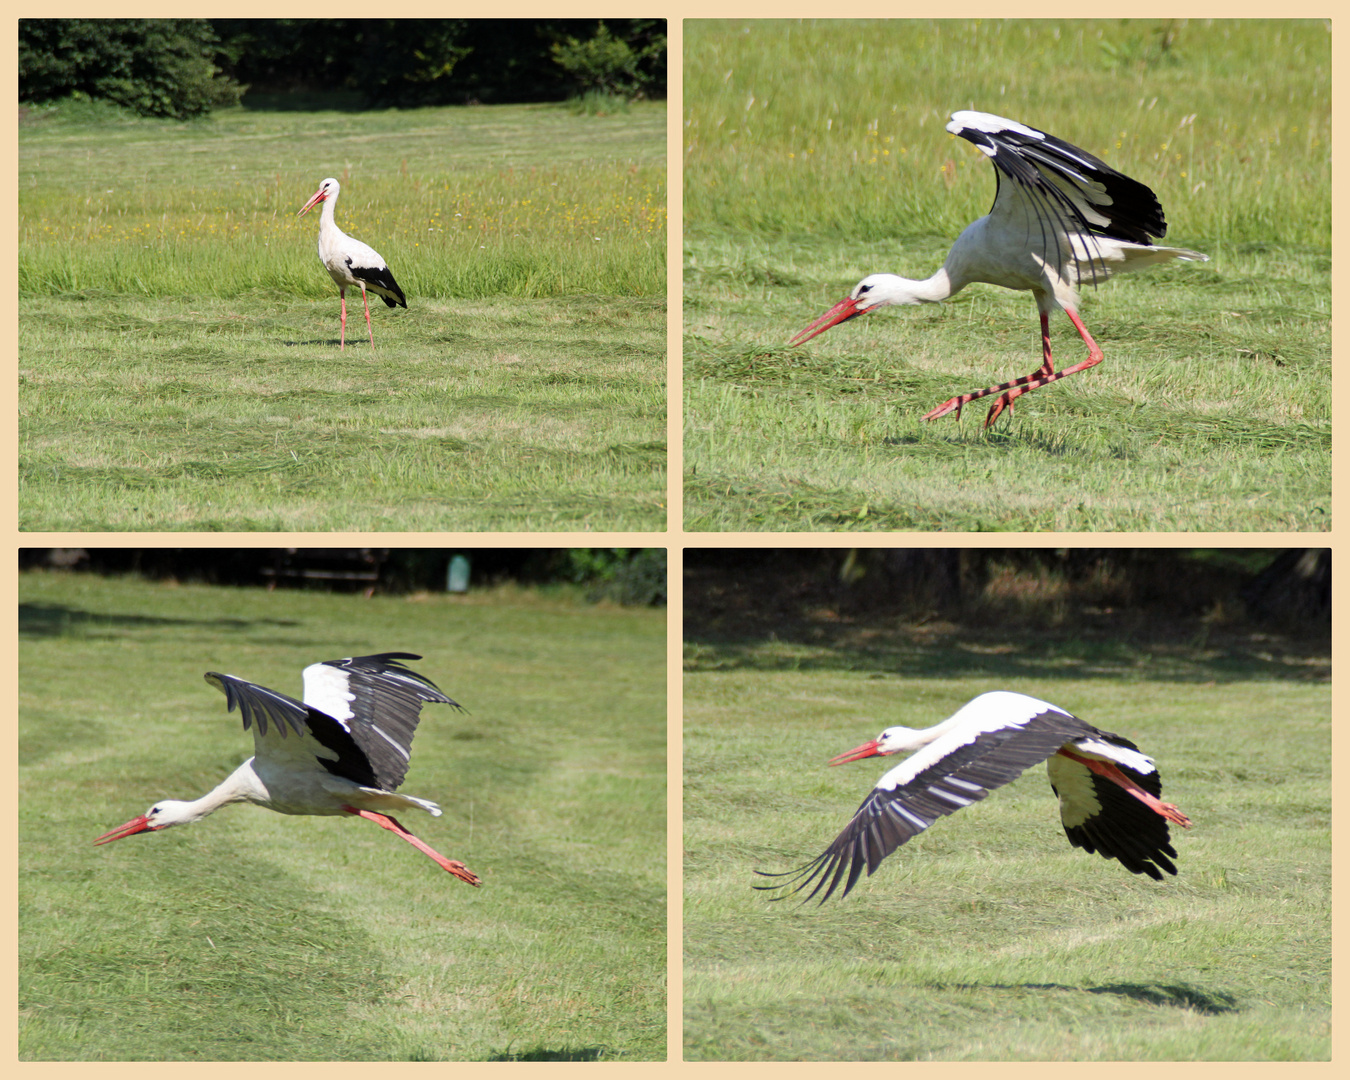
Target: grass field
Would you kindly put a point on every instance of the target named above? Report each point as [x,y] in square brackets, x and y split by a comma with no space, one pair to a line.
[179,339]
[814,154]
[254,936]
[988,937]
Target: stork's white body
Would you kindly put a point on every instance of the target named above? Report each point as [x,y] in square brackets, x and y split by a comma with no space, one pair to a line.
[1061,218]
[986,743]
[343,750]
[350,263]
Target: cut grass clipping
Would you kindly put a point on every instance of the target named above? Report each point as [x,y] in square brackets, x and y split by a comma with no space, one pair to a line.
[257,936]
[179,338]
[815,153]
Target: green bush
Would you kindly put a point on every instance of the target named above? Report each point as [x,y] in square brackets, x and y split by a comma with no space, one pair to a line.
[608,65]
[156,67]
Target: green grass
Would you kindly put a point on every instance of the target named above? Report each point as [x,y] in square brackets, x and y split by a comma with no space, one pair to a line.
[181,368]
[252,935]
[815,154]
[988,937]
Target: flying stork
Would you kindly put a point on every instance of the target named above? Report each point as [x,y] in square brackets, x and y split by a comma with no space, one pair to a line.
[1061,218]
[352,264]
[343,750]
[1109,793]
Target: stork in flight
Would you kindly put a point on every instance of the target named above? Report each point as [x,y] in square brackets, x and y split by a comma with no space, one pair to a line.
[352,264]
[1061,218]
[343,750]
[1109,793]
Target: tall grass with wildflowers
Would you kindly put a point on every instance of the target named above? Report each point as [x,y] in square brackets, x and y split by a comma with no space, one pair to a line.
[130,211]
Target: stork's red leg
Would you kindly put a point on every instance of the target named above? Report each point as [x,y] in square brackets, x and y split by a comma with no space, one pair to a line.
[366,300]
[343,293]
[384,821]
[1011,391]
[1111,772]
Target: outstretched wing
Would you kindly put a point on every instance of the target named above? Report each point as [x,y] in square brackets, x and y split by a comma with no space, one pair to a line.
[1060,189]
[954,771]
[1101,817]
[379,701]
[357,720]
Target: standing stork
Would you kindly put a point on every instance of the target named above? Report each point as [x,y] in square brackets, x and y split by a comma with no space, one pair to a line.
[351,263]
[1060,218]
[343,750]
[1109,793]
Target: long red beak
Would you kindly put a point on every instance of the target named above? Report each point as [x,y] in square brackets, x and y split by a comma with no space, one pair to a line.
[140,823]
[867,749]
[846,309]
[315,199]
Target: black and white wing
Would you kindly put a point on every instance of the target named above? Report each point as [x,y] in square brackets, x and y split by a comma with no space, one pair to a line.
[379,701]
[952,772]
[1100,816]
[357,720]
[1060,189]
[366,264]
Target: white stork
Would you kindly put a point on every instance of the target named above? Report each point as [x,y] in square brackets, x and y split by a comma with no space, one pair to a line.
[352,264]
[1109,793]
[342,751]
[1062,218]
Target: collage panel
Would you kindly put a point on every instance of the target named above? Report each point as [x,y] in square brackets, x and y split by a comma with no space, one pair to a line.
[961,199]
[315,275]
[915,901]
[494,889]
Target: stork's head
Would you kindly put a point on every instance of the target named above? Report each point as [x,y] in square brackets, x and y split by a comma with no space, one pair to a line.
[894,740]
[872,292]
[162,815]
[327,190]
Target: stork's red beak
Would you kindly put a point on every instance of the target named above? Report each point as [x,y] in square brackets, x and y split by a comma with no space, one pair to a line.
[846,309]
[140,823]
[867,749]
[314,200]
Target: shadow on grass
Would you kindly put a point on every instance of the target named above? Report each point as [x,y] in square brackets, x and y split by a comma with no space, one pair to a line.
[1177,996]
[58,620]
[540,1053]
[777,615]
[1182,997]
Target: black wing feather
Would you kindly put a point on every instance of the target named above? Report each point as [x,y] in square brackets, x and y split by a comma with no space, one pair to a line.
[387,699]
[1126,829]
[380,281]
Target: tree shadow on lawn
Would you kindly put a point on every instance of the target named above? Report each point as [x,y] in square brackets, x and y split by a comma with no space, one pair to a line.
[767,617]
[58,620]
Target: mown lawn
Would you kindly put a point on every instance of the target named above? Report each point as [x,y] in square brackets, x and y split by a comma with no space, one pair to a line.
[815,154]
[255,936]
[179,339]
[988,937]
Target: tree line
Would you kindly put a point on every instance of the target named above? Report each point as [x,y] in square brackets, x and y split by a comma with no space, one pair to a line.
[183,68]
[629,576]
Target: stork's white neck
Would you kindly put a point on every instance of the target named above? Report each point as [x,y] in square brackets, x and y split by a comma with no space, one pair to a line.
[899,740]
[326,222]
[882,290]
[242,785]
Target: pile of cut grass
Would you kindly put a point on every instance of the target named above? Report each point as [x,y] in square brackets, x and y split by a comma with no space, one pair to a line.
[256,936]
[815,154]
